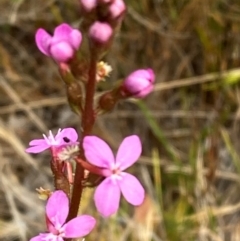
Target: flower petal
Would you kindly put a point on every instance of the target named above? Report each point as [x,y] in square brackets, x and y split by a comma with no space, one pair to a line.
[144,92]
[37,149]
[129,151]
[79,226]
[107,197]
[98,152]
[36,238]
[47,236]
[61,51]
[69,133]
[43,40]
[75,38]
[62,32]
[37,142]
[57,208]
[132,189]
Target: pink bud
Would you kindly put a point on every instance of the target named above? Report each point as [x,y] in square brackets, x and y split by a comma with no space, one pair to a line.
[100,32]
[139,83]
[88,5]
[62,45]
[117,8]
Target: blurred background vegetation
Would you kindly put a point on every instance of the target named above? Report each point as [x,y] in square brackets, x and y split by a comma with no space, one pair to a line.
[189,126]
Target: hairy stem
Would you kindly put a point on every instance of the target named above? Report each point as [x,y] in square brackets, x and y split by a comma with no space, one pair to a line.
[88,119]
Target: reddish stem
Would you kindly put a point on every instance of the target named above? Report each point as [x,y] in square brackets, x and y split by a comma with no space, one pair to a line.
[91,168]
[88,118]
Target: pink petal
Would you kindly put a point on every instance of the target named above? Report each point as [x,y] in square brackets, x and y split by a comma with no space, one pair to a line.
[37,149]
[75,38]
[61,51]
[98,152]
[129,151]
[62,31]
[151,75]
[57,208]
[47,236]
[132,189]
[36,238]
[43,40]
[144,92]
[69,133]
[37,142]
[79,226]
[107,197]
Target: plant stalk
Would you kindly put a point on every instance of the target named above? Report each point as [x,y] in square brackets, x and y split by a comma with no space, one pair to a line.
[88,119]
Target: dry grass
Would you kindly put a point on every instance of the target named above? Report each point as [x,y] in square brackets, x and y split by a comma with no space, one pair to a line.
[189,126]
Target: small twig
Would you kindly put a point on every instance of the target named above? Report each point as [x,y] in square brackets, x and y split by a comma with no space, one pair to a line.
[34,105]
[16,99]
[8,136]
[196,80]
[153,26]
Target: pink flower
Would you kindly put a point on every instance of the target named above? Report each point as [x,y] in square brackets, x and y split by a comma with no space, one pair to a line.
[57,209]
[107,194]
[139,83]
[100,32]
[64,137]
[62,45]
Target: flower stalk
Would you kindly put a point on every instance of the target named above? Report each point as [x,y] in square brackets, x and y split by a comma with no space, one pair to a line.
[87,122]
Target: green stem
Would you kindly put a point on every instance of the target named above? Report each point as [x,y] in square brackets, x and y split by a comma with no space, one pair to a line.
[88,119]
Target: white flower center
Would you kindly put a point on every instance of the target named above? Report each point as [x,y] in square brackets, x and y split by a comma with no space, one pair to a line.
[117,174]
[50,139]
[68,153]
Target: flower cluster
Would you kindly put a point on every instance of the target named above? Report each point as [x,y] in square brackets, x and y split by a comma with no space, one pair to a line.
[65,41]
[76,161]
[99,154]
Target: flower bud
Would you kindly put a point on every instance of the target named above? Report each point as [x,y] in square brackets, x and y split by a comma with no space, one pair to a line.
[107,101]
[88,5]
[111,11]
[101,33]
[117,9]
[62,45]
[139,83]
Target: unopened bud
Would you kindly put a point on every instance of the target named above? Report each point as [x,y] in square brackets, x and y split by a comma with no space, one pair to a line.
[117,9]
[88,5]
[101,33]
[109,99]
[139,83]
